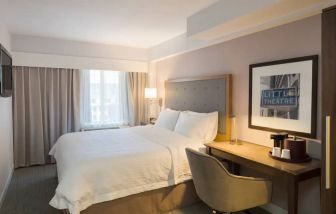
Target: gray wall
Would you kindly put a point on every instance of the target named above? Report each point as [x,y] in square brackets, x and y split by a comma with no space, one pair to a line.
[296,39]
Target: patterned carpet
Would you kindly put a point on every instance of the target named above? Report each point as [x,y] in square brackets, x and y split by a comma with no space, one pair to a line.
[32,188]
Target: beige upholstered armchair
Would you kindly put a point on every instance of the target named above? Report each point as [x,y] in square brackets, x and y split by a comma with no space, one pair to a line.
[222,191]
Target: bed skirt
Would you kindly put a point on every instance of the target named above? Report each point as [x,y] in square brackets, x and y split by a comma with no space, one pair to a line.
[150,202]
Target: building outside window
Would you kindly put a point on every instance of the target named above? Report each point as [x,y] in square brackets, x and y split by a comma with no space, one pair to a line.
[104,101]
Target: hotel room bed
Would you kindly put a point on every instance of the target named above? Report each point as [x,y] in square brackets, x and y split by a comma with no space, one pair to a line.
[140,169]
[98,166]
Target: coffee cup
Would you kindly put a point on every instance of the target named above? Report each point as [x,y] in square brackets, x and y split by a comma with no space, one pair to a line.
[285,154]
[276,151]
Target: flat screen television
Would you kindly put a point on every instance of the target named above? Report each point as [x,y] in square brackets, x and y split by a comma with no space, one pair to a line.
[5,73]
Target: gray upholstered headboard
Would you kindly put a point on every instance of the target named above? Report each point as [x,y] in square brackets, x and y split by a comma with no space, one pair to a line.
[201,95]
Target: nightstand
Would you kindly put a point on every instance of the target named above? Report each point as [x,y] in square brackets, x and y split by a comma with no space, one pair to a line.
[146,123]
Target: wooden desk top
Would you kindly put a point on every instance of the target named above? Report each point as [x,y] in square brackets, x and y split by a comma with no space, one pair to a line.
[259,154]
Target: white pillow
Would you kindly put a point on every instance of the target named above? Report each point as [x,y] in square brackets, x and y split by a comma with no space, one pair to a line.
[212,123]
[167,119]
[195,125]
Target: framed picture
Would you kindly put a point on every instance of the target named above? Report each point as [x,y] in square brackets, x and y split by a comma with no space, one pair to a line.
[283,96]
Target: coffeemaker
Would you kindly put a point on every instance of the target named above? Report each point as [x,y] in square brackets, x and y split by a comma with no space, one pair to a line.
[279,139]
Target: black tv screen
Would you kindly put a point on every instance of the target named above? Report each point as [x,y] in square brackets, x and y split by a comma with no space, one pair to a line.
[5,73]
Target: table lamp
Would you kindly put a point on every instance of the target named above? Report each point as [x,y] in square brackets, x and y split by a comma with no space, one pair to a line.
[151,96]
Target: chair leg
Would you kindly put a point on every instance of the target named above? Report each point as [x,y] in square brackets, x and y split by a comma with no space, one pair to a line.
[217,212]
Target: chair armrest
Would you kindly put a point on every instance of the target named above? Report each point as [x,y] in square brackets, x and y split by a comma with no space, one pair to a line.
[250,178]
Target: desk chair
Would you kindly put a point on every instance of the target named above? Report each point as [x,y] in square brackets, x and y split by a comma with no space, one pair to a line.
[222,191]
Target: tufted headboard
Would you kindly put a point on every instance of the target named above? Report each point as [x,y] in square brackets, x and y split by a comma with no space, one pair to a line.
[204,95]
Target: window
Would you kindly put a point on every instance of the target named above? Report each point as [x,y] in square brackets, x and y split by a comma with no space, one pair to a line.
[104,99]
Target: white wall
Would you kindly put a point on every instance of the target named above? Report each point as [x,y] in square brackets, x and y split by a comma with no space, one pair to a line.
[6,128]
[43,45]
[211,26]
[77,62]
[49,52]
[213,15]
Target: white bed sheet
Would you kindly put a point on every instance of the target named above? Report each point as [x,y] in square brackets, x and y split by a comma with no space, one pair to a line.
[97,166]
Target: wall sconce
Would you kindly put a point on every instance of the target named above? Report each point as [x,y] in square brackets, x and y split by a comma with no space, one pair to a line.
[154,102]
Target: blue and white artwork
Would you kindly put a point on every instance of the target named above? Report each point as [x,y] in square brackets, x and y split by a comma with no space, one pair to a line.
[280,96]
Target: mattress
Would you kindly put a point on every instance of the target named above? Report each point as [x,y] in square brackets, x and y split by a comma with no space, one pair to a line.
[104,165]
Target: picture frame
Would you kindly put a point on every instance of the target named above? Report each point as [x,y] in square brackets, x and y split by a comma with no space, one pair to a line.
[283,96]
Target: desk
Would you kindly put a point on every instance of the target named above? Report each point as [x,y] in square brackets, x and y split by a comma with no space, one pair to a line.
[256,157]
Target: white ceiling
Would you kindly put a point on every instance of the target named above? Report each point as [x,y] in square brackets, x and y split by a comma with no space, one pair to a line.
[136,23]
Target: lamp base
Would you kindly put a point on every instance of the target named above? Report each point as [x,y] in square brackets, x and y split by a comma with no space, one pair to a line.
[152,120]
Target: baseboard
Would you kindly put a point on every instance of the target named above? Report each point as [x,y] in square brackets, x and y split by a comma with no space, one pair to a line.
[9,178]
[274,209]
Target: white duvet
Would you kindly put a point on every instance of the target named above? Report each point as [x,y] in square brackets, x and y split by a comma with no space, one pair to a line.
[97,166]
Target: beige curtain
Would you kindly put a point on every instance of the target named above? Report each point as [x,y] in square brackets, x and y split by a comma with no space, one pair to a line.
[45,105]
[136,84]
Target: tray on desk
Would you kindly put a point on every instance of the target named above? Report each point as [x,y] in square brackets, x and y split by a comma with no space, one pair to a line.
[306,159]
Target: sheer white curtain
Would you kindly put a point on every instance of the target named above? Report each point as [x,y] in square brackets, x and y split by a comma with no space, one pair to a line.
[104,99]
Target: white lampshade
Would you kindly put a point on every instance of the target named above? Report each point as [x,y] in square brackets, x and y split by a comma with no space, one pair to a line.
[150,93]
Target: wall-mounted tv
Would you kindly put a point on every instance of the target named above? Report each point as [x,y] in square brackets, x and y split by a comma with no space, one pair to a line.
[5,73]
